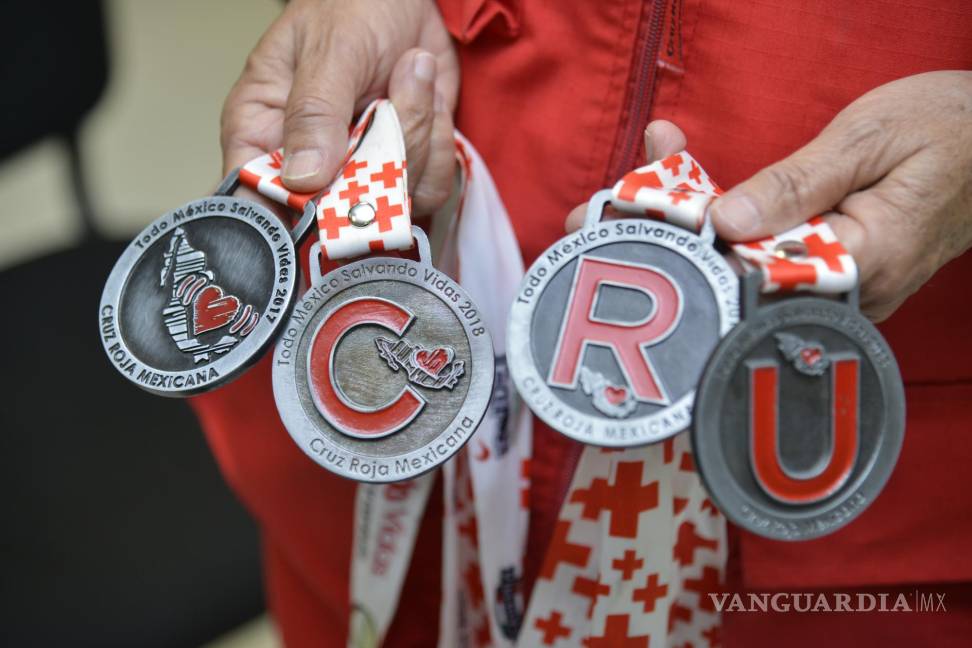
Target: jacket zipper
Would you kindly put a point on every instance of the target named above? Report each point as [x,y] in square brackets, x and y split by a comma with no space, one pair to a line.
[641,87]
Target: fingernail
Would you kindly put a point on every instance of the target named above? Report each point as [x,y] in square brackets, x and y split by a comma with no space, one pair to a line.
[737,212]
[649,149]
[302,164]
[424,67]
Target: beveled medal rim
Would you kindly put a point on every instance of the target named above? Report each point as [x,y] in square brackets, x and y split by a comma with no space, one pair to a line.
[245,353]
[707,430]
[304,429]
[520,351]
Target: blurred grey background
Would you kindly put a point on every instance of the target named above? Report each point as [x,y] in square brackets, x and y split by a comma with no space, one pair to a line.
[117,529]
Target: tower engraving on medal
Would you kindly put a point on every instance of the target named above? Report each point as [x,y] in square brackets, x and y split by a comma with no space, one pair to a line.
[198,305]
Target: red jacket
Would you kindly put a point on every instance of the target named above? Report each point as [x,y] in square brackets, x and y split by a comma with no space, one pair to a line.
[555,97]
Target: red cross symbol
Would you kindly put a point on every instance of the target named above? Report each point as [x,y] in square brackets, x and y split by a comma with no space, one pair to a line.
[384,212]
[470,529]
[695,174]
[590,588]
[707,584]
[678,195]
[351,169]
[352,193]
[688,542]
[650,593]
[828,252]
[708,506]
[628,564]
[388,175]
[668,447]
[672,163]
[616,635]
[632,182]
[678,613]
[787,274]
[552,628]
[626,499]
[474,583]
[713,637]
[331,224]
[678,504]
[276,159]
[563,551]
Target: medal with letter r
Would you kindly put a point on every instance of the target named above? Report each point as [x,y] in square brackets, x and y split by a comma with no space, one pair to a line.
[613,325]
[799,416]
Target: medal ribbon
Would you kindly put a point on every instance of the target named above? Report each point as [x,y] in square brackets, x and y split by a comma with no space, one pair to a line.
[487,487]
[676,190]
[366,209]
[638,545]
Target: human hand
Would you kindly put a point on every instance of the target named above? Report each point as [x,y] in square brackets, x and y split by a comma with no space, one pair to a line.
[324,60]
[896,166]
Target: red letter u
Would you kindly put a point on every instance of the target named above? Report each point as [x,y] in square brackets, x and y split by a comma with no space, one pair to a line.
[764,422]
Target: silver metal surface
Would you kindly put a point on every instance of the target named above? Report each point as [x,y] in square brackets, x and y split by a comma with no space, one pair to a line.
[441,354]
[802,342]
[199,295]
[600,405]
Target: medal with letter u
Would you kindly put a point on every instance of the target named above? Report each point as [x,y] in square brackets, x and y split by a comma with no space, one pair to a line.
[614,323]
[800,413]
[385,367]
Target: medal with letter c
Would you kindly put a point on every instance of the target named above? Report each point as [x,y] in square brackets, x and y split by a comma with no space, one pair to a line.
[614,323]
[385,367]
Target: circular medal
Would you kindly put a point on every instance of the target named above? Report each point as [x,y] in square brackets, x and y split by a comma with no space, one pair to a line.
[613,325]
[384,369]
[799,418]
[199,295]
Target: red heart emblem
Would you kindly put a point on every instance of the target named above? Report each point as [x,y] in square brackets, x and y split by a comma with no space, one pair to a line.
[431,361]
[811,355]
[212,309]
[615,395]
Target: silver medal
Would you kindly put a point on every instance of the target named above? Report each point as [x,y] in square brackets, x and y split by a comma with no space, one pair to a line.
[384,369]
[199,294]
[613,325]
[799,418]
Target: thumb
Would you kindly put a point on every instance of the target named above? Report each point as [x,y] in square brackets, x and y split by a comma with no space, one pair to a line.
[783,195]
[319,110]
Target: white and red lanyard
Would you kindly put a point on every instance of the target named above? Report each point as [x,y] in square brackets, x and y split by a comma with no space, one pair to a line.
[638,545]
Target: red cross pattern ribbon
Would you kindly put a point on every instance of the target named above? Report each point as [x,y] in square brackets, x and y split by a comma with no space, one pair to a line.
[678,191]
[636,551]
[366,208]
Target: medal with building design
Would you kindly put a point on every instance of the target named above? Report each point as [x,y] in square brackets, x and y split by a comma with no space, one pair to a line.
[199,294]
[799,418]
[613,325]
[384,369]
